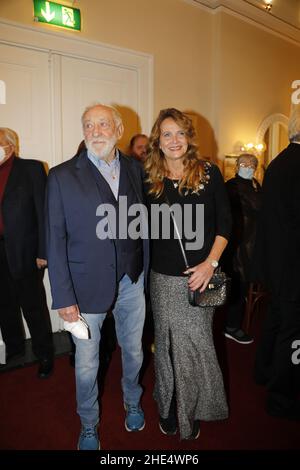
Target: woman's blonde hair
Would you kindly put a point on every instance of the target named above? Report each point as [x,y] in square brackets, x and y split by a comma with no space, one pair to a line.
[155,165]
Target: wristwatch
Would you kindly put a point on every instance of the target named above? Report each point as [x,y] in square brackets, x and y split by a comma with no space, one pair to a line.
[214,263]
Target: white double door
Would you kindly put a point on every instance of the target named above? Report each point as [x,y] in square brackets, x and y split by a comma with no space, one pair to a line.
[46,94]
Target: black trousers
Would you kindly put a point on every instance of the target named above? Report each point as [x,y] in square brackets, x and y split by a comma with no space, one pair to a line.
[29,295]
[236,301]
[273,364]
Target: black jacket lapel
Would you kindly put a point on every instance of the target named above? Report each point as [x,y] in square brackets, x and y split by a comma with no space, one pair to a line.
[131,171]
[14,179]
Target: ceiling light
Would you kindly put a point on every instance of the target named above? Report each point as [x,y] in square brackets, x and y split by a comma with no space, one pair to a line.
[268,5]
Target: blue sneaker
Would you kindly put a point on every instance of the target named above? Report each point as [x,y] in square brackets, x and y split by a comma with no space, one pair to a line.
[135,420]
[88,438]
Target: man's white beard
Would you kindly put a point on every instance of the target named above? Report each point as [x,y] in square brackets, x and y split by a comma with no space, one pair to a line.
[103,153]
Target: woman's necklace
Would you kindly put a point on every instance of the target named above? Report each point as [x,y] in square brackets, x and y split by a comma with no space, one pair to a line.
[175,183]
[175,179]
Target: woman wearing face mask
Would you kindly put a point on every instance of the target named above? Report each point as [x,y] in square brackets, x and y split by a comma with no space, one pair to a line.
[245,198]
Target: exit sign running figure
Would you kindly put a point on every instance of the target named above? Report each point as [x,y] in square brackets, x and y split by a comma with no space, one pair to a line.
[56,14]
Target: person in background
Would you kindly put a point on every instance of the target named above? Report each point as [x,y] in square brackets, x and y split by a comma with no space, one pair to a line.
[138,147]
[244,193]
[188,380]
[22,254]
[277,261]
[92,273]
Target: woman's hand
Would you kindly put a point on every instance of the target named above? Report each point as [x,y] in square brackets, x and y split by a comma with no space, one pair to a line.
[200,275]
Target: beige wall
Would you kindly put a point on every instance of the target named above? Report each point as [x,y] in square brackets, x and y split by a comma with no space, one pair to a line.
[226,72]
[255,75]
[177,34]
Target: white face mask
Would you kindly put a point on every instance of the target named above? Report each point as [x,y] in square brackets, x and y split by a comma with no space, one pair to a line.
[246,173]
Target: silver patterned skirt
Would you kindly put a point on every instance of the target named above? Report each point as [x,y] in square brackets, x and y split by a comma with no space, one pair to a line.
[185,358]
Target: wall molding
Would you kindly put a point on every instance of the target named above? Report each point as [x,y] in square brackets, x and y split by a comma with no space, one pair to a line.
[253,15]
[269,121]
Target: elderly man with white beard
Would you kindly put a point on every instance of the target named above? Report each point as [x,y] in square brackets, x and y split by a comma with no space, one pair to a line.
[91,275]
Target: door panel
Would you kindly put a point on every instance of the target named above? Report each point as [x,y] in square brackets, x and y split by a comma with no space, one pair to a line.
[84,83]
[27,109]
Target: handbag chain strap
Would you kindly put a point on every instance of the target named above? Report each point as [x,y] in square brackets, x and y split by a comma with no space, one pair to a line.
[177,233]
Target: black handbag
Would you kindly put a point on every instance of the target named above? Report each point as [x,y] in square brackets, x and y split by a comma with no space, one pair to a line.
[215,293]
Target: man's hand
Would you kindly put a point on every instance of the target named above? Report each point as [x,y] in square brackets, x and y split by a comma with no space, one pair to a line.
[41,263]
[69,313]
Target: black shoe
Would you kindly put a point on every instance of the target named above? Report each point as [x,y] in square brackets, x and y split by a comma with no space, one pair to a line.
[238,335]
[167,426]
[196,430]
[45,368]
[292,413]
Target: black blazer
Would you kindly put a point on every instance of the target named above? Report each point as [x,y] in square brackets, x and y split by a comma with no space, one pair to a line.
[277,253]
[245,201]
[23,216]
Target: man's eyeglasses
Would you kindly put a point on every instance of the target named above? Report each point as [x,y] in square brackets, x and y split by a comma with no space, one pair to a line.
[248,165]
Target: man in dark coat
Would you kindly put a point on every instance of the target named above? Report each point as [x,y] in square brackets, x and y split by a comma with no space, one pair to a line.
[95,264]
[244,193]
[277,265]
[22,254]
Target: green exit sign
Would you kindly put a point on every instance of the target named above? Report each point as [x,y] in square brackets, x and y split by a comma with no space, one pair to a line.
[56,14]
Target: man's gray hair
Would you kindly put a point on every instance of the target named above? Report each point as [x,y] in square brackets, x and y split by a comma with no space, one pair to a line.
[247,156]
[116,115]
[294,125]
[11,137]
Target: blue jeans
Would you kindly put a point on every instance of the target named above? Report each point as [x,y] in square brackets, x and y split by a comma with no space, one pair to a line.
[129,314]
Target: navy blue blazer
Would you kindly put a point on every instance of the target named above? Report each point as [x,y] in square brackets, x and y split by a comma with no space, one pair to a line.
[82,268]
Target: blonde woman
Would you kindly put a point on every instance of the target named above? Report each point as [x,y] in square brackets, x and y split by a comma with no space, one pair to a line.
[189,385]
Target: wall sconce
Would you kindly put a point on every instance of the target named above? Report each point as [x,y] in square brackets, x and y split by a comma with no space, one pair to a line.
[256,149]
[268,5]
